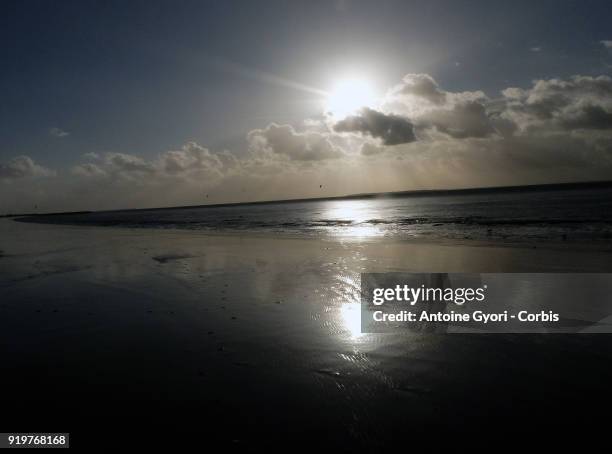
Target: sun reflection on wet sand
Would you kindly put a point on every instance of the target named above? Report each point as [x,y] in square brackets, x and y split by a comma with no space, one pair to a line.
[351,318]
[347,300]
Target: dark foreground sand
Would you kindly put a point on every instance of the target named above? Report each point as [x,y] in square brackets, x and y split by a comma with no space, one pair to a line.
[254,340]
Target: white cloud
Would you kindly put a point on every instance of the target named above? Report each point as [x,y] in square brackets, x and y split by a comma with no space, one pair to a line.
[419,86]
[577,103]
[284,141]
[59,133]
[428,107]
[23,167]
[190,161]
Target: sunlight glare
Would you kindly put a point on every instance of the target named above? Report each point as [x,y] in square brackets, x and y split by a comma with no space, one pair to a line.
[348,96]
[352,218]
[351,318]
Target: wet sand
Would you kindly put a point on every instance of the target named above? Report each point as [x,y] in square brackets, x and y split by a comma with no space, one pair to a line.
[250,340]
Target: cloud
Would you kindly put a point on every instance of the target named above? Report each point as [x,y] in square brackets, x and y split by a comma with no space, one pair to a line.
[607,43]
[392,129]
[580,102]
[88,170]
[371,149]
[434,111]
[126,163]
[23,167]
[284,140]
[420,137]
[535,49]
[588,117]
[549,105]
[419,85]
[464,119]
[59,133]
[191,160]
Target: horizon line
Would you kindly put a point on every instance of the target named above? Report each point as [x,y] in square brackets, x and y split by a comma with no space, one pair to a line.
[357,196]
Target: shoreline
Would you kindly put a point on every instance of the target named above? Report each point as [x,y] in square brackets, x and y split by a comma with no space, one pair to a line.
[591,245]
[541,187]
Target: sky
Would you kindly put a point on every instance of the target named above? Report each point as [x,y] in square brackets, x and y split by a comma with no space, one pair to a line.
[112,104]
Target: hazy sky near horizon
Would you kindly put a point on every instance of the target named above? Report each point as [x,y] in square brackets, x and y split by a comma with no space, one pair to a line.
[131,104]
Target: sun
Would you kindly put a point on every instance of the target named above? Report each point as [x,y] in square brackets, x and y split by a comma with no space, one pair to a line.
[348,96]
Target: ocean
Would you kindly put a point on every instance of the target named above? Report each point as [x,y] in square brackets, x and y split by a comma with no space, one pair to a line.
[557,213]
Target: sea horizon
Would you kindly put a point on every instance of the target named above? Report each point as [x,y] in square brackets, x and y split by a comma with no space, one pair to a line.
[357,196]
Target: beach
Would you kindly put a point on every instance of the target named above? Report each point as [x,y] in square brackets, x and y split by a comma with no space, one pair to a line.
[338,226]
[261,334]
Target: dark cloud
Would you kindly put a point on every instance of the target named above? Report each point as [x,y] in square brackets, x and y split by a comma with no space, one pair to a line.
[392,129]
[465,119]
[589,117]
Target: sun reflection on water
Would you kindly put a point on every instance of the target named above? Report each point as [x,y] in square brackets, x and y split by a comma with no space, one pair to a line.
[351,218]
[351,210]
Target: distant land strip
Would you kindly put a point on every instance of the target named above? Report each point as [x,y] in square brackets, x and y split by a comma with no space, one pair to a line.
[362,196]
